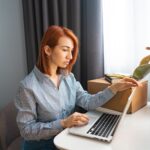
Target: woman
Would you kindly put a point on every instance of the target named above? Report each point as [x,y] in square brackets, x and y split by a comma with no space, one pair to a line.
[48,95]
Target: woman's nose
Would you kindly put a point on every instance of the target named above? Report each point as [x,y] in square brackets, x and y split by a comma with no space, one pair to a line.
[69,56]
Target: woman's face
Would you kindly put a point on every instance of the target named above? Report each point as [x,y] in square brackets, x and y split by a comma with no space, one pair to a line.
[61,54]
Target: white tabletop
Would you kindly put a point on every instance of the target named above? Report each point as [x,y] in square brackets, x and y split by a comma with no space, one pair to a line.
[133,134]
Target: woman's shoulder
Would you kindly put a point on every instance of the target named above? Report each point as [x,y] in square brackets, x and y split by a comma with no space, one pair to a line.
[70,78]
[28,81]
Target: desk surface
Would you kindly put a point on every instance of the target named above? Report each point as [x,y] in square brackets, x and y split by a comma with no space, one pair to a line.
[132,134]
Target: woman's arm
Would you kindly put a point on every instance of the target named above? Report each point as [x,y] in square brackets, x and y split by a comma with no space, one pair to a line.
[88,101]
[30,127]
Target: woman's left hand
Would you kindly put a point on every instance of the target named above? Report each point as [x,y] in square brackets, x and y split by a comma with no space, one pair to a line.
[123,84]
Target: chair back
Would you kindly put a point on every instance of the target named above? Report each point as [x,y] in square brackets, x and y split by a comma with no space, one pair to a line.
[8,126]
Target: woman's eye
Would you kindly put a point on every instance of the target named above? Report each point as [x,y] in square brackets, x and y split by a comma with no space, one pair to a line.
[65,50]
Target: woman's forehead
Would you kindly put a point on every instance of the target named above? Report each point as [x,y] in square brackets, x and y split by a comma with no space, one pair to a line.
[65,42]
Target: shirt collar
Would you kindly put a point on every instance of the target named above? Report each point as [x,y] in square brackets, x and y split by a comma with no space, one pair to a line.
[41,76]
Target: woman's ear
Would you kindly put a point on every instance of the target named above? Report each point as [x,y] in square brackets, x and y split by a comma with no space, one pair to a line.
[47,50]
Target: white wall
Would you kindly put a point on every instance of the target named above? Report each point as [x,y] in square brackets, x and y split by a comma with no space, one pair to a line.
[12,49]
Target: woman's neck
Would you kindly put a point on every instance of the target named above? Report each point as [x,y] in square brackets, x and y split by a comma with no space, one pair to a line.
[55,79]
[54,76]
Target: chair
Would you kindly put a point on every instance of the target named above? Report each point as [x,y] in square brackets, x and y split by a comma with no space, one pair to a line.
[10,138]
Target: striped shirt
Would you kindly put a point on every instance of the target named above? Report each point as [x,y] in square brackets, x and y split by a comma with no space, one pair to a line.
[41,105]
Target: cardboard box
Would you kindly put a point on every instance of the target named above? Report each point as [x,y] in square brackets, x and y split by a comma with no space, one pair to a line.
[120,99]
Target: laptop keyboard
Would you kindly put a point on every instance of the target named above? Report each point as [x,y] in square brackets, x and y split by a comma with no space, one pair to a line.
[104,125]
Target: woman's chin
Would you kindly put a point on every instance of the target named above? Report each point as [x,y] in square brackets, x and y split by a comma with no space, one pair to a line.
[64,66]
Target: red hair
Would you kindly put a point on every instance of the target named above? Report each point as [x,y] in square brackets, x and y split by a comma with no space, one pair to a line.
[50,38]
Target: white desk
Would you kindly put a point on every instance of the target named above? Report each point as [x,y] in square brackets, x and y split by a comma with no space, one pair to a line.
[133,134]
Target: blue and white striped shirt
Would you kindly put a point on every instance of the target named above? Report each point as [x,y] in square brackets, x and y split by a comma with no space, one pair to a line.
[41,105]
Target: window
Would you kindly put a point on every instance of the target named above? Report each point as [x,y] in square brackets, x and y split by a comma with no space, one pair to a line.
[126,34]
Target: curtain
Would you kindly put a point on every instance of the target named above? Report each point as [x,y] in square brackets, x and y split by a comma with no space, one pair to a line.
[92,62]
[84,17]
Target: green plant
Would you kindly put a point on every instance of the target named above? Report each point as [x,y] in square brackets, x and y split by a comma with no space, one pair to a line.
[143,69]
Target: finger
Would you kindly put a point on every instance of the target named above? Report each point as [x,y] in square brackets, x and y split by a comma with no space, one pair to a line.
[84,119]
[129,85]
[85,116]
[80,123]
[131,80]
[76,114]
[81,118]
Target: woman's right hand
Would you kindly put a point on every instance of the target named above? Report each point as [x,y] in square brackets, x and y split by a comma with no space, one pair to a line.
[76,119]
[123,84]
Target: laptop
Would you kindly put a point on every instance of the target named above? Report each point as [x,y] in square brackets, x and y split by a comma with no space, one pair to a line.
[102,122]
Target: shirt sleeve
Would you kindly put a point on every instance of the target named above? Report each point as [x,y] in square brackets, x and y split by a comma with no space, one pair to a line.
[27,119]
[92,101]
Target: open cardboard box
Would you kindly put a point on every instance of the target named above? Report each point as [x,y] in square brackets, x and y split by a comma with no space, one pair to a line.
[120,99]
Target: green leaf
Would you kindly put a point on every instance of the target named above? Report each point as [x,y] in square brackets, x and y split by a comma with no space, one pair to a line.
[141,71]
